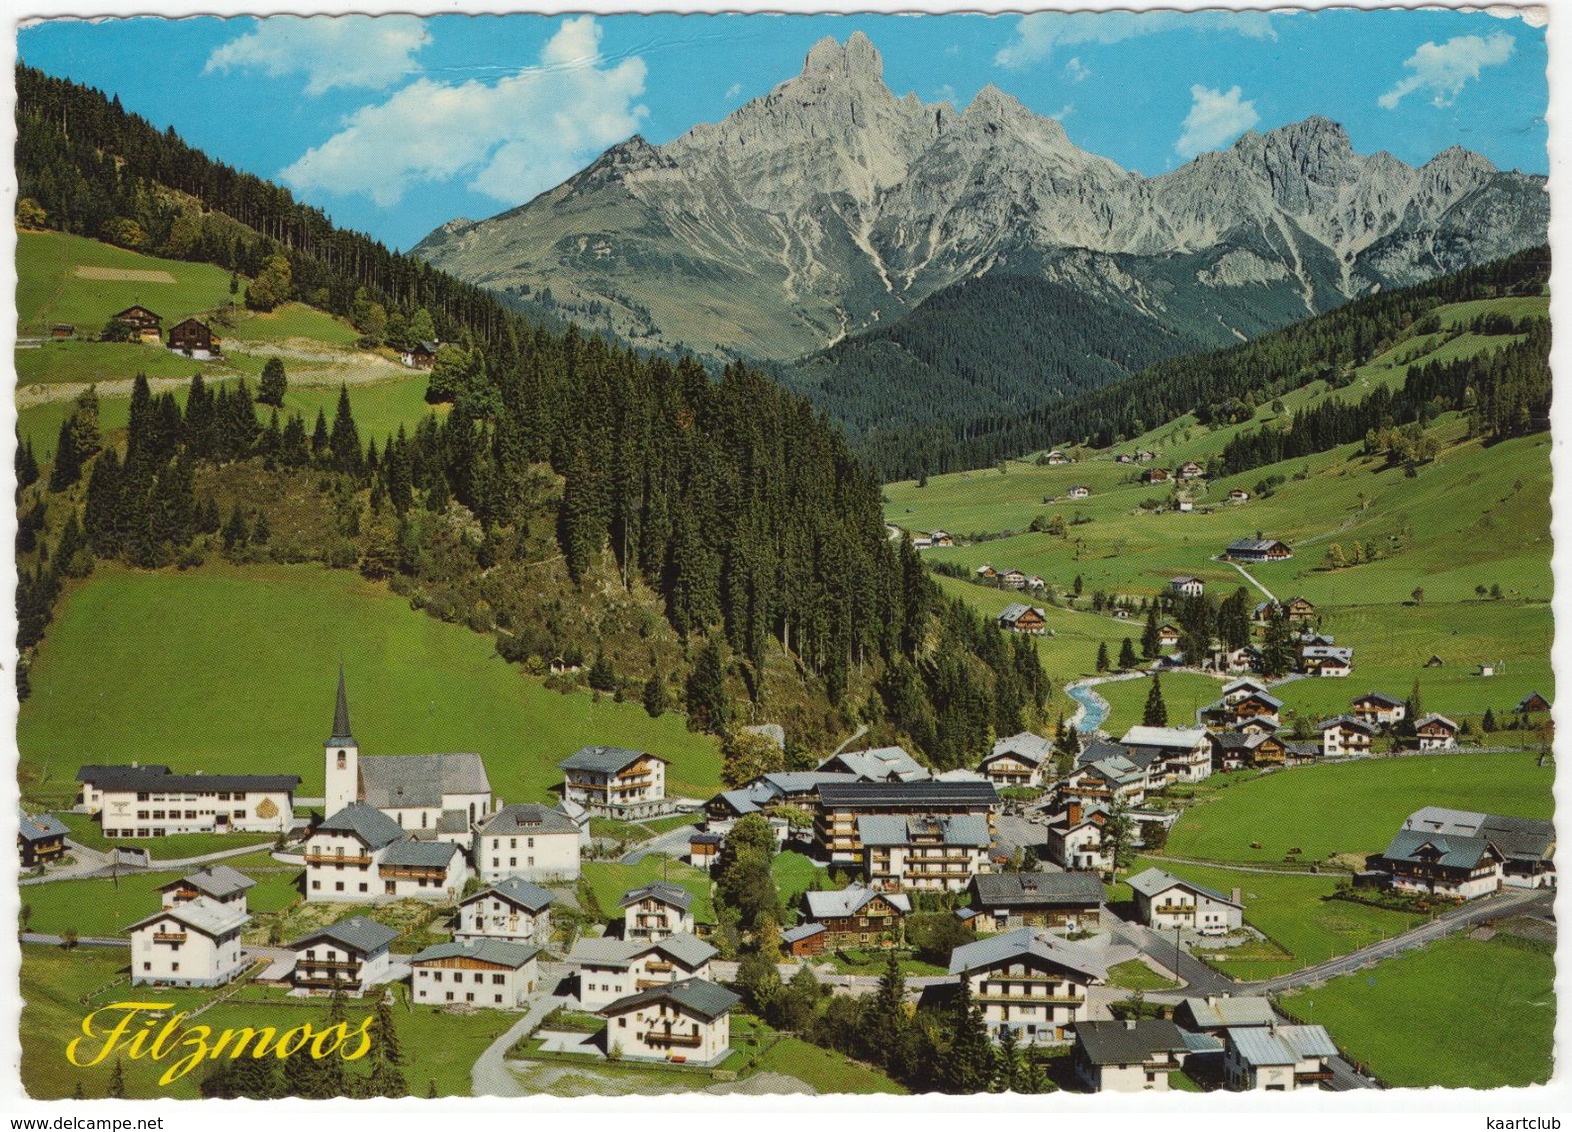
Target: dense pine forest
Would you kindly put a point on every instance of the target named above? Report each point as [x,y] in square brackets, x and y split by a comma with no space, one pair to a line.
[1223,386]
[730,500]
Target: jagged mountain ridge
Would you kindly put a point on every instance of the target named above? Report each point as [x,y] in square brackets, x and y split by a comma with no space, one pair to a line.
[830,205]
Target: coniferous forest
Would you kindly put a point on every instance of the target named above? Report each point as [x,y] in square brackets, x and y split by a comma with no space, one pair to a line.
[731,500]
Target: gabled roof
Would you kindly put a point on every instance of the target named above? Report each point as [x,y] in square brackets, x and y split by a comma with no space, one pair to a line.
[801,932]
[1347,723]
[673,894]
[1451,850]
[421,854]
[1434,718]
[849,901]
[1036,890]
[452,821]
[41,827]
[217,881]
[604,760]
[1022,942]
[516,891]
[878,764]
[526,818]
[906,829]
[1166,738]
[1255,545]
[1100,749]
[1031,749]
[786,782]
[1118,770]
[1015,611]
[1520,838]
[514,955]
[156,777]
[1378,698]
[1280,1045]
[358,933]
[420,781]
[1125,1043]
[700,997]
[202,915]
[1219,1011]
[685,947]
[364,821]
[1154,881]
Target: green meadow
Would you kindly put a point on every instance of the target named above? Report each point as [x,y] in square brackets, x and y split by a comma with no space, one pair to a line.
[233,669]
[105,907]
[611,880]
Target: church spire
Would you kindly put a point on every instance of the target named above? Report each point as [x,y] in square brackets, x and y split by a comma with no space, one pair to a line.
[342,736]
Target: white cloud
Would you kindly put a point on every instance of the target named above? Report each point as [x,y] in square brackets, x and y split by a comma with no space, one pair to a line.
[1063,112]
[1444,68]
[1077,71]
[1214,119]
[733,91]
[945,93]
[332,51]
[514,139]
[1037,34]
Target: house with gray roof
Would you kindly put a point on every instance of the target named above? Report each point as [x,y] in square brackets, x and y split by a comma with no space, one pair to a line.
[1343,736]
[343,851]
[1131,1056]
[425,870]
[687,1021]
[616,782]
[40,839]
[1031,982]
[1165,902]
[607,968]
[1258,550]
[1527,844]
[1455,866]
[1435,732]
[1074,837]
[1020,618]
[527,840]
[1105,780]
[135,800]
[926,852]
[195,943]
[513,910]
[485,973]
[878,764]
[218,883]
[857,916]
[350,956]
[1277,1058]
[1214,1013]
[1064,901]
[804,940]
[1021,760]
[1171,754]
[656,910]
[839,805]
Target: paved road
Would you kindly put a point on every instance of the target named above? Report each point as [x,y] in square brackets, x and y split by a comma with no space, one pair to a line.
[1251,579]
[674,843]
[83,941]
[489,1077]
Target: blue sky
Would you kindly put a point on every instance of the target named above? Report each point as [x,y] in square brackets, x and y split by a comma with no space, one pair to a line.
[396,124]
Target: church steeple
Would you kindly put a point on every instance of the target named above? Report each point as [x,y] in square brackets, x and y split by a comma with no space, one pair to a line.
[342,736]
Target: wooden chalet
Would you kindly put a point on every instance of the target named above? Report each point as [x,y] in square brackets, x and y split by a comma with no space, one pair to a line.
[1435,733]
[1451,865]
[1079,491]
[1023,619]
[1532,703]
[1378,708]
[1167,635]
[40,839]
[193,336]
[1155,475]
[1238,495]
[1189,470]
[62,330]
[1299,609]
[1012,579]
[422,355]
[1258,550]
[139,323]
[855,916]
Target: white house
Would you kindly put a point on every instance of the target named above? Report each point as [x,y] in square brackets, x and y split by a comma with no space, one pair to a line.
[1171,754]
[219,884]
[1128,1056]
[426,870]
[1186,586]
[1075,838]
[1452,865]
[1163,901]
[1345,735]
[656,910]
[512,910]
[1528,844]
[1277,1059]
[610,968]
[195,943]
[343,852]
[1078,491]
[1435,733]
[350,956]
[928,852]
[477,972]
[1030,982]
[1018,760]
[687,1021]
[615,782]
[150,801]
[527,840]
[1378,708]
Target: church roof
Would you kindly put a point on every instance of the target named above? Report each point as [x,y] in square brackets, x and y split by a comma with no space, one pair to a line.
[342,736]
[395,782]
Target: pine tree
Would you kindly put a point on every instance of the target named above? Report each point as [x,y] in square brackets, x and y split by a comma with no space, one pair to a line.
[117,1079]
[656,700]
[602,676]
[1488,723]
[1156,713]
[270,390]
[969,1066]
[344,454]
[319,436]
[708,708]
[1151,646]
[1416,706]
[1102,656]
[1127,657]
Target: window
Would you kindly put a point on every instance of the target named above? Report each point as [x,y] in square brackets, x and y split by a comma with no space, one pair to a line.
[341,760]
[338,886]
[499,980]
[531,843]
[498,1000]
[448,997]
[316,884]
[436,976]
[174,966]
[469,996]
[362,886]
[513,843]
[147,966]
[531,862]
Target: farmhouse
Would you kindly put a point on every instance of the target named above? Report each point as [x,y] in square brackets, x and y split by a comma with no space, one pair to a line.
[1019,618]
[927,852]
[1243,706]
[343,849]
[610,968]
[1155,475]
[1144,456]
[138,324]
[194,338]
[422,355]
[1079,491]
[149,801]
[616,782]
[1298,609]
[985,572]
[350,957]
[1105,779]
[656,910]
[1163,901]
[477,972]
[1528,844]
[1531,704]
[218,884]
[1345,735]
[195,943]
[1131,1056]
[40,839]
[1072,901]
[527,840]
[1215,1013]
[688,1021]
[941,538]
[1277,1059]
[704,849]
[1378,708]
[1326,660]
[1258,550]
[1017,761]
[1435,733]
[1030,982]
[1452,865]
[1238,495]
[1012,579]
[425,870]
[804,940]
[1234,749]
[1184,506]
[416,791]
[1239,689]
[513,910]
[1074,838]
[1168,635]
[1186,586]
[855,916]
[1189,470]
[1056,459]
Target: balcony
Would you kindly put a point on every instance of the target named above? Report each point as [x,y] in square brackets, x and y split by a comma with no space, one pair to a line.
[327,981]
[335,859]
[654,1038]
[1049,999]
[412,872]
[169,937]
[1312,1077]
[331,964]
[656,967]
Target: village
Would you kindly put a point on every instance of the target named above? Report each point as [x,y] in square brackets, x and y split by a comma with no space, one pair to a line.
[1016,857]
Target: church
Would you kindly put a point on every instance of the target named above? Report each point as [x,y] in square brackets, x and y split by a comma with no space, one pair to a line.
[443,795]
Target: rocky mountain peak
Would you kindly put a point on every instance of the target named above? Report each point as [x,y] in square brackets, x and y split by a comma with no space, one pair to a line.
[858,60]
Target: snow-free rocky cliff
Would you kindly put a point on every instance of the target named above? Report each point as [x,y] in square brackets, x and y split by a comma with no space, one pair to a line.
[830,205]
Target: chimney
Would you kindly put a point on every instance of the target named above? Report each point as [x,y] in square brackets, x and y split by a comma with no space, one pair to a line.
[1075,812]
[1129,1023]
[1234,895]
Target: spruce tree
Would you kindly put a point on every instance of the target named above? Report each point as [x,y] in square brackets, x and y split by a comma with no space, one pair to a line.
[344,442]
[708,708]
[117,1079]
[270,390]
[319,436]
[968,1068]
[656,700]
[1156,713]
[1102,656]
[1127,657]
[1150,644]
